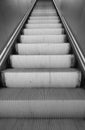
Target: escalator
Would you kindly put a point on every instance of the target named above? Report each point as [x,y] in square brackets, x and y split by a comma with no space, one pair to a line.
[42,83]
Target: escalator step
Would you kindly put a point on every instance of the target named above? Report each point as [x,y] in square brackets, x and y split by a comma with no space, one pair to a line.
[42,108]
[44,103]
[35,11]
[44,18]
[43,31]
[59,25]
[43,49]
[42,94]
[42,124]
[43,39]
[43,14]
[44,10]
[45,61]
[65,78]
[43,21]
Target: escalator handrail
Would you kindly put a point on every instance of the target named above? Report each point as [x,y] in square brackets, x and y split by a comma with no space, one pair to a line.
[15,34]
[74,43]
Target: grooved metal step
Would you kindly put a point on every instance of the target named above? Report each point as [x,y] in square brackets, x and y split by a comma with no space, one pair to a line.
[40,124]
[44,18]
[43,21]
[45,61]
[42,78]
[63,103]
[43,31]
[44,11]
[44,14]
[43,39]
[43,49]
[59,25]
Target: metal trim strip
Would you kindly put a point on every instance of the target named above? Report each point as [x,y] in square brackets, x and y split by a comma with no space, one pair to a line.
[15,34]
[72,39]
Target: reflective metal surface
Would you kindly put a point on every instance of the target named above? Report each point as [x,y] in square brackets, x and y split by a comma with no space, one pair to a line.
[74,13]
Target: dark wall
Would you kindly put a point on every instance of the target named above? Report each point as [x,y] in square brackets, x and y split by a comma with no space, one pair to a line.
[11,13]
[74,13]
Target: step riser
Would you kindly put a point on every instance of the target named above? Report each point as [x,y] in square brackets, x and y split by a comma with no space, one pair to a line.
[42,79]
[43,25]
[47,7]
[65,61]
[42,108]
[43,32]
[43,21]
[43,49]
[43,39]
[43,18]
[44,14]
[44,11]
